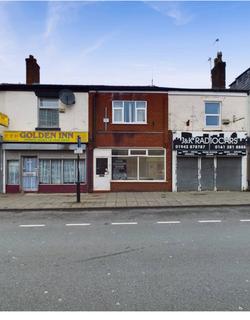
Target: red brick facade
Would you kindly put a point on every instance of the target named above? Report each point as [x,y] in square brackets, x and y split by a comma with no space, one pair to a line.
[150,135]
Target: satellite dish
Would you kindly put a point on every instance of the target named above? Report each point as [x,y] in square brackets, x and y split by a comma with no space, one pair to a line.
[67,97]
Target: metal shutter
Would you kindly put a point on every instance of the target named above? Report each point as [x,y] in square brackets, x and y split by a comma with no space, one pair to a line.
[228,174]
[207,174]
[187,174]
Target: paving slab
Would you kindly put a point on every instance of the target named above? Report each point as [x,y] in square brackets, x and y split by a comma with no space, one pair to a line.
[59,201]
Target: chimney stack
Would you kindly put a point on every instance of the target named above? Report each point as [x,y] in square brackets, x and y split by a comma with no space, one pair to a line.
[218,73]
[32,71]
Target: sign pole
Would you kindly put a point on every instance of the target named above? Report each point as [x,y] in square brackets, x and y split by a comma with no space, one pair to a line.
[78,192]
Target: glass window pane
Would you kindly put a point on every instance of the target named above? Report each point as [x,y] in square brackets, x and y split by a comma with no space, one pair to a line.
[151,168]
[212,120]
[13,172]
[212,108]
[49,103]
[49,118]
[117,104]
[141,104]
[56,171]
[117,115]
[44,171]
[141,116]
[124,168]
[68,171]
[138,152]
[159,152]
[119,152]
[126,111]
[82,170]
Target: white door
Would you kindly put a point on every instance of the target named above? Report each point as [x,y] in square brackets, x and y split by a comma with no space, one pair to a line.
[102,169]
[30,174]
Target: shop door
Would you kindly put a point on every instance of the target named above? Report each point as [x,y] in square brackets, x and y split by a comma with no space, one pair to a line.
[102,170]
[30,174]
[187,174]
[207,174]
[228,174]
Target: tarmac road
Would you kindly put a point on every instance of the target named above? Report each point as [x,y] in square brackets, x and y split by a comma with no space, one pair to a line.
[175,259]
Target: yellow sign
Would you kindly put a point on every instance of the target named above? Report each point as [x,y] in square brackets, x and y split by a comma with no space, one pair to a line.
[44,136]
[4,120]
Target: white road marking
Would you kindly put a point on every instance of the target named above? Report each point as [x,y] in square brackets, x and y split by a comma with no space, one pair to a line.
[77,224]
[162,222]
[120,223]
[245,220]
[31,225]
[205,221]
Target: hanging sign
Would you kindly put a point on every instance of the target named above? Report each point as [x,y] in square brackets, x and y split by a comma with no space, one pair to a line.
[4,120]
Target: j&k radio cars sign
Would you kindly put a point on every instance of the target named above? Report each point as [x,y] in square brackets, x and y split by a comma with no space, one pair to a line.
[210,142]
[44,136]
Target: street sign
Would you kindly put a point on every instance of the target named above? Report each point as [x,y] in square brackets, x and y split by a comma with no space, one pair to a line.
[78,151]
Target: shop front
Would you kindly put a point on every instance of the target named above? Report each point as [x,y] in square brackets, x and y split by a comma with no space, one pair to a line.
[43,161]
[209,161]
[130,169]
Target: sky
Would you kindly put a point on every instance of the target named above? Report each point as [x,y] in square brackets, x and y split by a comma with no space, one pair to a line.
[124,42]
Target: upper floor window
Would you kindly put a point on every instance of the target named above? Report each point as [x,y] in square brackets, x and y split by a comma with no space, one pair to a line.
[129,112]
[212,114]
[48,113]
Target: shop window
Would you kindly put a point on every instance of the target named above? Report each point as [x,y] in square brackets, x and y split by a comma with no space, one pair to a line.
[44,169]
[60,171]
[48,113]
[151,168]
[56,172]
[212,114]
[124,168]
[128,112]
[13,172]
[139,165]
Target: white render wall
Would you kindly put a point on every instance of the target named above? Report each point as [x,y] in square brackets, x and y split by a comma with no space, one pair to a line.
[22,109]
[184,106]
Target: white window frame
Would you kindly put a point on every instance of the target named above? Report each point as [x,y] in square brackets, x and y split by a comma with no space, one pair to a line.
[47,108]
[138,164]
[122,109]
[211,127]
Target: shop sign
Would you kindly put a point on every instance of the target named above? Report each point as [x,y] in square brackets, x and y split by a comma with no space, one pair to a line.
[4,120]
[44,136]
[210,143]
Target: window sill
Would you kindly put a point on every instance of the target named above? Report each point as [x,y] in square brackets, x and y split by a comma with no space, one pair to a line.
[47,129]
[130,123]
[212,129]
[139,181]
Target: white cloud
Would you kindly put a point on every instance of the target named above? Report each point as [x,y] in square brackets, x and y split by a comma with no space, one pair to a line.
[172,10]
[98,43]
[59,13]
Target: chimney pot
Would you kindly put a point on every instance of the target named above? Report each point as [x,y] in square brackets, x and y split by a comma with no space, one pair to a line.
[32,70]
[218,73]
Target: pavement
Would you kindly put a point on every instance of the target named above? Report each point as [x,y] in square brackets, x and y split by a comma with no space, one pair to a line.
[121,200]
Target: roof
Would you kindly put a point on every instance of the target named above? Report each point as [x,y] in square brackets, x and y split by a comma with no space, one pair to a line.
[239,76]
[87,88]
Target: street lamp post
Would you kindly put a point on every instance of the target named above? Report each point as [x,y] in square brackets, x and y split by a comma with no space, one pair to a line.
[78,185]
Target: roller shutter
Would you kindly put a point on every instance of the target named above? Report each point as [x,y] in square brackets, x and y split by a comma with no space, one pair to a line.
[228,174]
[207,174]
[187,174]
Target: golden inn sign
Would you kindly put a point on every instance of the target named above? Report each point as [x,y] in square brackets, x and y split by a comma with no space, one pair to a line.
[44,136]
